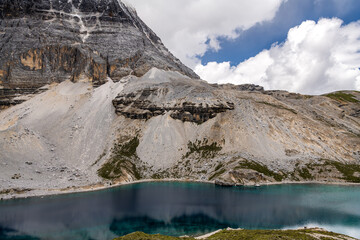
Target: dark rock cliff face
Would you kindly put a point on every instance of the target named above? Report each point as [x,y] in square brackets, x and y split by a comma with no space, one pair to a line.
[45,41]
[152,102]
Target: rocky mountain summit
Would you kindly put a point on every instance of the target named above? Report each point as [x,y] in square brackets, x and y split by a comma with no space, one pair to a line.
[53,41]
[91,97]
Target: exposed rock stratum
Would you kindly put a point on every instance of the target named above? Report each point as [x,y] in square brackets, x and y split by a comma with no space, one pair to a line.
[90,96]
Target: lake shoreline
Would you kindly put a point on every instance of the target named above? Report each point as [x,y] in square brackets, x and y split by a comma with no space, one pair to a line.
[41,193]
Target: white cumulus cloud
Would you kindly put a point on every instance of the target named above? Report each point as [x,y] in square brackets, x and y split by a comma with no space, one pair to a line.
[191,27]
[315,58]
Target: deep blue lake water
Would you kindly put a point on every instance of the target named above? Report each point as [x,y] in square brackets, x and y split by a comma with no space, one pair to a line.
[180,208]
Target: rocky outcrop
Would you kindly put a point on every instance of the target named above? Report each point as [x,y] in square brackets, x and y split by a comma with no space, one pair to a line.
[247,176]
[223,183]
[51,41]
[145,104]
[13,96]
[241,87]
[200,113]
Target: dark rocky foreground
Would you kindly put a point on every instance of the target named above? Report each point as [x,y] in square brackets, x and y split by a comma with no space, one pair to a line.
[49,41]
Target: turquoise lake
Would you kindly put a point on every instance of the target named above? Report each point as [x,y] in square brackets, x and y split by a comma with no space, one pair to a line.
[175,208]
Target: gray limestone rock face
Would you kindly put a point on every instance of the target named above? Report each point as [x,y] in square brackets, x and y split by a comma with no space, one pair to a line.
[159,92]
[47,41]
[151,102]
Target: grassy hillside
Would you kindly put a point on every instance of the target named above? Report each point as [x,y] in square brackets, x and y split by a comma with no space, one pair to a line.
[305,234]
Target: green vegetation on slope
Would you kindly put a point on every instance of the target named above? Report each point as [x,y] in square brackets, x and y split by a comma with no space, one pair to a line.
[122,159]
[272,234]
[306,234]
[305,173]
[217,174]
[343,97]
[260,168]
[348,170]
[203,149]
[144,236]
[162,175]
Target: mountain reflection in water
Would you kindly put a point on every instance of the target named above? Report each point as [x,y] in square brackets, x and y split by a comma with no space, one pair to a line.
[179,208]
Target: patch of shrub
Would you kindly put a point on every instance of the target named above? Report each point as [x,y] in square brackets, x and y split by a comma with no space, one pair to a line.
[261,169]
[123,158]
[342,97]
[203,149]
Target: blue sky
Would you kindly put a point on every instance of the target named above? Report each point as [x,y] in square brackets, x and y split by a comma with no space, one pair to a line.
[290,14]
[303,46]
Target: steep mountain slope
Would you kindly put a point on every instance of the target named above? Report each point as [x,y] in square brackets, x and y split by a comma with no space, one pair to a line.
[52,41]
[110,104]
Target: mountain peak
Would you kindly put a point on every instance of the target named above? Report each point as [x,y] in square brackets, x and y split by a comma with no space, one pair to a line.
[47,41]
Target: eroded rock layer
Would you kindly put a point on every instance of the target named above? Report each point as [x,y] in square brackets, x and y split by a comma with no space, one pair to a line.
[146,103]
